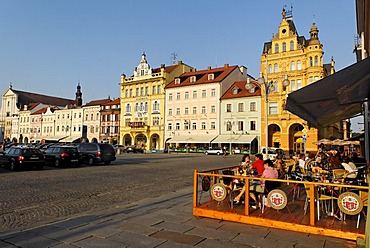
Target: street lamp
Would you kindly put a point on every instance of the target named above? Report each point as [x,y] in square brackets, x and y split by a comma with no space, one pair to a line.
[269,87]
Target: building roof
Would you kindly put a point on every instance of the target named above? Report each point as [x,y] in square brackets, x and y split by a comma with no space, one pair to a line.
[25,98]
[237,90]
[98,102]
[113,102]
[40,111]
[201,77]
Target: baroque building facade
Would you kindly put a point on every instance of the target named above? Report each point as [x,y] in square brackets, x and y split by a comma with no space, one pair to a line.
[300,60]
[143,104]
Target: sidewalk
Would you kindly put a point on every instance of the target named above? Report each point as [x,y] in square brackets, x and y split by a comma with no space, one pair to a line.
[166,221]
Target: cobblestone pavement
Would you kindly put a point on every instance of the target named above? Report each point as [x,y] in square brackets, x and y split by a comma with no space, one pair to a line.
[31,197]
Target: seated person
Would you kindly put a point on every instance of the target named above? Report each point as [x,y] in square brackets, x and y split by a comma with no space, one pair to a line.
[258,186]
[258,164]
[279,166]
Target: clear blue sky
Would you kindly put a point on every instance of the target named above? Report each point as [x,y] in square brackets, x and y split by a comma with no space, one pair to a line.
[48,46]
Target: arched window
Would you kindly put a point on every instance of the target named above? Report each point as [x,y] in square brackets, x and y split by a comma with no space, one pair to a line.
[270,68]
[128,108]
[299,65]
[155,105]
[137,107]
[276,48]
[292,66]
[276,68]
[311,62]
[284,47]
[291,45]
[316,61]
[146,107]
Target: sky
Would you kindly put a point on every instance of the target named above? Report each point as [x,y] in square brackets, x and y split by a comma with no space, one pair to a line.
[48,47]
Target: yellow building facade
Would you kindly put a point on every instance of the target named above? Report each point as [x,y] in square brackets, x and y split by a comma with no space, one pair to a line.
[300,60]
[143,104]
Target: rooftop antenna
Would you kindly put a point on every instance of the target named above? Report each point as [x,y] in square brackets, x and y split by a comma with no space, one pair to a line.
[174,58]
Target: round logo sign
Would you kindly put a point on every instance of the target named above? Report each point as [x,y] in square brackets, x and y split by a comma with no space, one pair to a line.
[277,199]
[350,203]
[218,192]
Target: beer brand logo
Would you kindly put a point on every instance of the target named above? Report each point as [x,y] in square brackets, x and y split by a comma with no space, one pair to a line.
[218,192]
[277,199]
[350,203]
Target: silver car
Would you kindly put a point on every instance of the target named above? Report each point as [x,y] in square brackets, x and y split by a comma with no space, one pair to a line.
[214,151]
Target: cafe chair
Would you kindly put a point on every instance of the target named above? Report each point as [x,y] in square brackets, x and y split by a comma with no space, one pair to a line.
[319,199]
[289,168]
[364,195]
[269,186]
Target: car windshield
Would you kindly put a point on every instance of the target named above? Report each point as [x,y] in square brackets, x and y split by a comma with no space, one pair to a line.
[31,151]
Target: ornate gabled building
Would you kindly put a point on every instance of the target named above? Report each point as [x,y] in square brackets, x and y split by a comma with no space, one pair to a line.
[110,121]
[300,60]
[193,105]
[143,104]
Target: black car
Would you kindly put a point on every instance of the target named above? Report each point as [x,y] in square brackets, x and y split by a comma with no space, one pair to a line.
[92,153]
[22,157]
[133,149]
[62,156]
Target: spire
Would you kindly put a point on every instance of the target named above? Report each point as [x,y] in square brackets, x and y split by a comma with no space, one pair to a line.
[78,95]
[314,33]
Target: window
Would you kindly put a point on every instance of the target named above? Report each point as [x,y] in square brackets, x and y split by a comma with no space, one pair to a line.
[270,68]
[299,84]
[170,97]
[213,92]
[252,125]
[299,65]
[276,48]
[86,117]
[316,61]
[177,80]
[228,107]
[203,125]
[204,93]
[186,110]
[193,79]
[177,111]
[154,90]
[142,91]
[211,76]
[194,125]
[240,107]
[291,45]
[137,91]
[177,126]
[228,126]
[203,109]
[146,90]
[284,47]
[292,66]
[194,110]
[276,68]
[130,92]
[195,94]
[91,117]
[155,121]
[240,125]
[276,86]
[292,85]
[158,89]
[311,80]
[316,78]
[273,110]
[156,106]
[169,111]
[74,115]
[178,96]
[311,61]
[252,107]
[213,125]
[187,95]
[186,125]
[169,126]
[213,109]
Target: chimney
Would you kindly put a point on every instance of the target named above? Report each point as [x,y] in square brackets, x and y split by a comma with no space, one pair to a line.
[179,62]
[208,68]
[226,65]
[163,65]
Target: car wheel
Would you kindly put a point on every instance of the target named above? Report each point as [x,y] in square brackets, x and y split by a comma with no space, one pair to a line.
[90,161]
[57,163]
[13,166]
[107,162]
[218,153]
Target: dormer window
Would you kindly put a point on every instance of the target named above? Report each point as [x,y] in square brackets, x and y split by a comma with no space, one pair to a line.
[177,80]
[211,76]
[193,79]
[235,90]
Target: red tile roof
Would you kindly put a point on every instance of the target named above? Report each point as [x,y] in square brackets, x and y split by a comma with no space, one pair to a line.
[242,92]
[202,76]
[98,102]
[25,98]
[113,102]
[40,111]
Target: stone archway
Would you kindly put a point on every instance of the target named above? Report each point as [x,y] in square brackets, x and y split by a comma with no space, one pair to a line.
[127,140]
[296,144]
[141,141]
[274,137]
[155,142]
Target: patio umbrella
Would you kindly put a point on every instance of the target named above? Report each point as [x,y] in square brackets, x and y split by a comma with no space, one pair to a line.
[337,142]
[322,141]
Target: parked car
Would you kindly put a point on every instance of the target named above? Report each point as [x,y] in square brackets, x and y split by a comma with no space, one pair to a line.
[214,151]
[273,152]
[92,153]
[62,156]
[133,149]
[22,157]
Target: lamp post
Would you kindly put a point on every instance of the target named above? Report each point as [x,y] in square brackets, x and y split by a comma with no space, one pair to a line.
[269,87]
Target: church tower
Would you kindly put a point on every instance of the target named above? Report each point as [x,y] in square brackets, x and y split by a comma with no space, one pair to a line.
[78,96]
